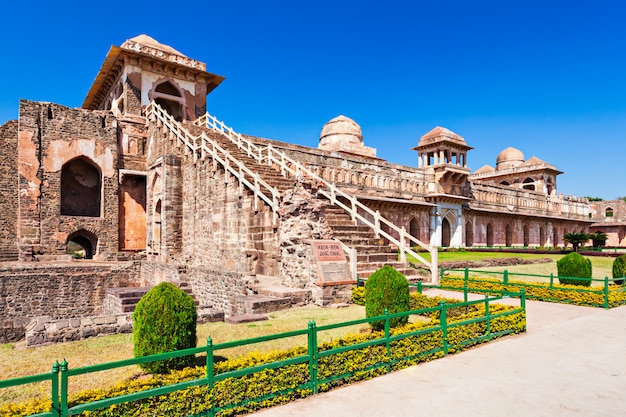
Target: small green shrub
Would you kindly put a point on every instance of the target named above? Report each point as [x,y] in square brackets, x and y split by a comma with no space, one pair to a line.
[574,265]
[165,321]
[619,269]
[386,289]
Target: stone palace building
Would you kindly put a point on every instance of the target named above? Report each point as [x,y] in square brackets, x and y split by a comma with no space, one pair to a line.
[149,187]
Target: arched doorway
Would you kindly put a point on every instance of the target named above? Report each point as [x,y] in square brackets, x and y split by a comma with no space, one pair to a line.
[489,234]
[414,228]
[81,185]
[469,234]
[542,237]
[508,235]
[526,235]
[555,238]
[82,244]
[170,99]
[445,233]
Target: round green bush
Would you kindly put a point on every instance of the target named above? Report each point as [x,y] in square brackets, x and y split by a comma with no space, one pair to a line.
[165,321]
[573,266]
[619,269]
[386,289]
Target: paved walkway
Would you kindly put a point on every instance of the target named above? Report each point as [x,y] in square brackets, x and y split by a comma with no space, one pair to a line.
[571,362]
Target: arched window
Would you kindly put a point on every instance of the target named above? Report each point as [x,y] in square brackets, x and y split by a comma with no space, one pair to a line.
[81,188]
[608,212]
[469,234]
[528,184]
[489,234]
[504,183]
[82,244]
[170,99]
[508,235]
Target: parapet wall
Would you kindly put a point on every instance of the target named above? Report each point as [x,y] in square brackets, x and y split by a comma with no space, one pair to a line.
[59,291]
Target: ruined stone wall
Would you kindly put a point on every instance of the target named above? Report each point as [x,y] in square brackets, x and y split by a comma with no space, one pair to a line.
[61,291]
[51,135]
[8,186]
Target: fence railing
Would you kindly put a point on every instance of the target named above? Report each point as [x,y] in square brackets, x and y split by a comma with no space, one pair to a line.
[351,204]
[62,373]
[473,280]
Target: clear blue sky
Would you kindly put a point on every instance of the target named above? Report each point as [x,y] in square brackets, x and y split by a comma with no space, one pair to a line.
[547,77]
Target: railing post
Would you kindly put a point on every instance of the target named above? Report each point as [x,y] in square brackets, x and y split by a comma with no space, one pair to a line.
[551,280]
[505,277]
[403,245]
[443,322]
[487,314]
[64,388]
[523,303]
[465,283]
[377,224]
[210,374]
[419,287]
[353,206]
[387,342]
[312,348]
[353,258]
[55,389]
[606,291]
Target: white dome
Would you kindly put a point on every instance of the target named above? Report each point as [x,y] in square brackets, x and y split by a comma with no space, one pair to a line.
[509,158]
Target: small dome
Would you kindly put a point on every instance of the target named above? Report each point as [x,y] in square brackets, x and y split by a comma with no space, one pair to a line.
[509,158]
[341,128]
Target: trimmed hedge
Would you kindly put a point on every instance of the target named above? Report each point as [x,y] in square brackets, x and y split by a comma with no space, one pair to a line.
[568,294]
[574,269]
[386,289]
[619,269]
[356,365]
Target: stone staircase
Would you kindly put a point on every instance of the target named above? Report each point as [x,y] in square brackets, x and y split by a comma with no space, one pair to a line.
[9,253]
[372,252]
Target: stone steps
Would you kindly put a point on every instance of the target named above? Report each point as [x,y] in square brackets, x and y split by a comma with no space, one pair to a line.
[9,253]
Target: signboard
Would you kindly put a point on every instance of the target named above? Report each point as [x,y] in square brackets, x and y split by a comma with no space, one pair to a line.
[332,265]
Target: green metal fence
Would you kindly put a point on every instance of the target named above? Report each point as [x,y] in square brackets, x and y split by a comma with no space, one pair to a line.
[61,373]
[609,292]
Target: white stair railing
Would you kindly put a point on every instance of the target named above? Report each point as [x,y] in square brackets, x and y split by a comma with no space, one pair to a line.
[287,166]
[202,146]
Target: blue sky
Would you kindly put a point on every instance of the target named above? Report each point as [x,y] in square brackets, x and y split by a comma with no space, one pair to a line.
[547,77]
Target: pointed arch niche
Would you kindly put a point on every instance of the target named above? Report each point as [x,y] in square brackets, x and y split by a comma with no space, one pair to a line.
[81,188]
[82,244]
[169,96]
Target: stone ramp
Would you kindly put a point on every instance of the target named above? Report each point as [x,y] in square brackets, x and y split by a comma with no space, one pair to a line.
[568,363]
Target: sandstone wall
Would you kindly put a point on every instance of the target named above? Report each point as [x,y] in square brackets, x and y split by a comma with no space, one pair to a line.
[51,135]
[8,186]
[73,290]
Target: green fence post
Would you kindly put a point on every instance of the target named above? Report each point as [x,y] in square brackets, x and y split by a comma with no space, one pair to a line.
[443,322]
[419,287]
[606,291]
[55,389]
[64,383]
[488,317]
[551,280]
[465,283]
[505,278]
[312,348]
[523,298]
[210,374]
[441,274]
[387,342]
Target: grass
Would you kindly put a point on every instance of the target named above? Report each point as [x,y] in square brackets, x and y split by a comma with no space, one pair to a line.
[16,360]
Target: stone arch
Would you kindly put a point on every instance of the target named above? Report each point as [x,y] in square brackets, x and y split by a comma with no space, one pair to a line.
[84,239]
[508,235]
[542,236]
[505,183]
[528,184]
[81,188]
[169,96]
[608,212]
[555,237]
[489,234]
[469,233]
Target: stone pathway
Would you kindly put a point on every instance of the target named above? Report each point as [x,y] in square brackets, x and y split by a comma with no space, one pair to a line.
[571,362]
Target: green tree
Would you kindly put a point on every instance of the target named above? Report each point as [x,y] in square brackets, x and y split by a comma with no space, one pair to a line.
[598,239]
[165,321]
[619,269]
[576,239]
[574,269]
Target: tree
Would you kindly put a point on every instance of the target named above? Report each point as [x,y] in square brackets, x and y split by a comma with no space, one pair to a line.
[576,239]
[598,238]
[386,289]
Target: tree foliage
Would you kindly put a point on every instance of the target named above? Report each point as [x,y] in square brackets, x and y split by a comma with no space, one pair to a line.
[619,269]
[598,239]
[164,321]
[576,239]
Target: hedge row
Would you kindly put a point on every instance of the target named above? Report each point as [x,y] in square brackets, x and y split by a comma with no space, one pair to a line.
[568,294]
[346,367]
